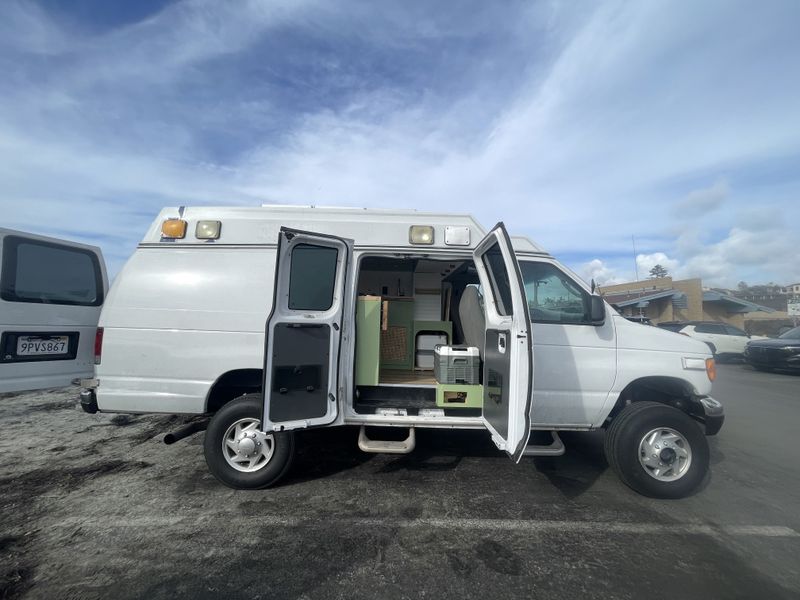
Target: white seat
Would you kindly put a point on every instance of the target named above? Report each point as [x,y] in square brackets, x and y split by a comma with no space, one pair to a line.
[473,322]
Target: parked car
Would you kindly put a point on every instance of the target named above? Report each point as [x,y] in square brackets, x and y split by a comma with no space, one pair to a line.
[51,293]
[725,341]
[675,326]
[641,319]
[782,352]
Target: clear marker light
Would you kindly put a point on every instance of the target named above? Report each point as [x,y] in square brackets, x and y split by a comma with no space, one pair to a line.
[208,230]
[421,234]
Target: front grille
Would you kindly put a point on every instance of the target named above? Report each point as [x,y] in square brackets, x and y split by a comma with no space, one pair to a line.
[768,354]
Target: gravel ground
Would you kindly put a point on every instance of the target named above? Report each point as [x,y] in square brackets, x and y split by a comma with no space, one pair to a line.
[94,506]
[54,458]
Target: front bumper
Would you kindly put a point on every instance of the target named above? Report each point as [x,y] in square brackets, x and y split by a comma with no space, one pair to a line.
[89,401]
[709,412]
[772,358]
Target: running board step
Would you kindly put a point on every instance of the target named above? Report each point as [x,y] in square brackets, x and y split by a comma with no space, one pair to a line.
[555,448]
[386,446]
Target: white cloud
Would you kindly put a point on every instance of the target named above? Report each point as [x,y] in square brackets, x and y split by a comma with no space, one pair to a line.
[743,252]
[611,115]
[704,200]
[645,262]
[600,272]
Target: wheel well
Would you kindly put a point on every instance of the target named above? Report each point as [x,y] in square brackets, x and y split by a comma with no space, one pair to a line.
[231,385]
[667,390]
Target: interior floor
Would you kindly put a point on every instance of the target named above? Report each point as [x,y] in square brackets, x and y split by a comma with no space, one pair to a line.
[395,397]
[371,399]
[403,377]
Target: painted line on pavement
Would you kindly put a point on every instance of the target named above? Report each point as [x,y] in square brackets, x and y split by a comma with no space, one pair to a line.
[523,525]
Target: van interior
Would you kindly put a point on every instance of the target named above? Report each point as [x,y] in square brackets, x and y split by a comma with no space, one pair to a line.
[419,337]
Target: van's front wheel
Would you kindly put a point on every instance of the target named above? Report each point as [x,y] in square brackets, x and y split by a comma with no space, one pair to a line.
[239,454]
[657,450]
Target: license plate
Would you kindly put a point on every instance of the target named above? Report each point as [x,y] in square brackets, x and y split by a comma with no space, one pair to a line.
[42,346]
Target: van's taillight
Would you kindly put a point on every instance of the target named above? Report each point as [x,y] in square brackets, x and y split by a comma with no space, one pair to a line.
[98,345]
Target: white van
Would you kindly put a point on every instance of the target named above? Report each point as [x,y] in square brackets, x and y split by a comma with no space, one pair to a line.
[281,318]
[51,292]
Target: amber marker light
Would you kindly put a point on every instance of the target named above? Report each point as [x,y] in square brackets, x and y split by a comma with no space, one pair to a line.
[173,229]
[711,369]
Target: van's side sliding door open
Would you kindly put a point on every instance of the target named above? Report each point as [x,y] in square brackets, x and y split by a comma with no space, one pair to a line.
[508,354]
[304,329]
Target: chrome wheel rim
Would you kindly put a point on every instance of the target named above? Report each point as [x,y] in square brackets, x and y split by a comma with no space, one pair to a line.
[245,448]
[665,454]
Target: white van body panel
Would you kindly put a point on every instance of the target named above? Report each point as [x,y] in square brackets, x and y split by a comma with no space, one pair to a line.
[176,320]
[576,365]
[43,318]
[182,313]
[647,351]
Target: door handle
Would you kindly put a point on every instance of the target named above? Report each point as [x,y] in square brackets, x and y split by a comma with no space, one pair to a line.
[501,343]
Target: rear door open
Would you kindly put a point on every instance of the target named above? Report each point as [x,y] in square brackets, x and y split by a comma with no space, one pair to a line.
[508,353]
[303,331]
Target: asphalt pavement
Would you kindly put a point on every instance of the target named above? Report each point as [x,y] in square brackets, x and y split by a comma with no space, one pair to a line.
[95,506]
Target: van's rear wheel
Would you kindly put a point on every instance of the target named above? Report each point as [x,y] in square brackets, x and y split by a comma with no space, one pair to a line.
[240,455]
[657,450]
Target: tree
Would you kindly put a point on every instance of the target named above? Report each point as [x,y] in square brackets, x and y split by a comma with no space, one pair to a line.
[658,272]
[742,286]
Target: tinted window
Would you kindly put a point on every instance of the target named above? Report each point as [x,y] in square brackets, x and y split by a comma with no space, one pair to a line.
[498,275]
[710,328]
[312,277]
[552,296]
[792,334]
[731,330]
[49,273]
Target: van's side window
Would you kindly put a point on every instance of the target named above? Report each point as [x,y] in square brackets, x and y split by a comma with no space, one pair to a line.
[46,273]
[552,296]
[312,277]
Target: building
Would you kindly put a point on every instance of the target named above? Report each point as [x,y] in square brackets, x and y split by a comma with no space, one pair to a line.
[665,299]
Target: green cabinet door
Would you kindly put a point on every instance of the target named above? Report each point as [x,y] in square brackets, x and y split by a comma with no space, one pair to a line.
[368,340]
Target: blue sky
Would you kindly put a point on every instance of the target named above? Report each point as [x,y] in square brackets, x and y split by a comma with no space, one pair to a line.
[579,124]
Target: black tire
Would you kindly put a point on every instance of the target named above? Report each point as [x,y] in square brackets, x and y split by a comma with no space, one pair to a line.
[625,434]
[247,406]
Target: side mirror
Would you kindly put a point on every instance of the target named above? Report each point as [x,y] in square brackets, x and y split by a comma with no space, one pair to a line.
[598,310]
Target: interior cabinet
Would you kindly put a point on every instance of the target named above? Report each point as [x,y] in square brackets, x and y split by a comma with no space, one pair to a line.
[397,338]
[368,340]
